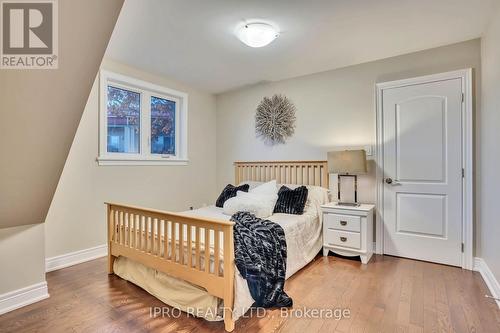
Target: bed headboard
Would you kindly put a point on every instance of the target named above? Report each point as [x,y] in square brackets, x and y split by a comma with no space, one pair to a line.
[285,172]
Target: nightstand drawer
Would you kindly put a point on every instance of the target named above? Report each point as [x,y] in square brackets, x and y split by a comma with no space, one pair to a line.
[343,222]
[343,238]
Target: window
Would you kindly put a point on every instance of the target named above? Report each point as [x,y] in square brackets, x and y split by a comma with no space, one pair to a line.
[124,120]
[141,123]
[162,126]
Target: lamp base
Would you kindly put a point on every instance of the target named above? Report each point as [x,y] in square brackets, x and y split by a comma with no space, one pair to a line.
[352,204]
[348,204]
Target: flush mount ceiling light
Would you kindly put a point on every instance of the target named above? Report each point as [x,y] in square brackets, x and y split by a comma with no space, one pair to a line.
[257,34]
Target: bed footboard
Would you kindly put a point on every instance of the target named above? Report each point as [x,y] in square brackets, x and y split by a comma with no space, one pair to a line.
[173,243]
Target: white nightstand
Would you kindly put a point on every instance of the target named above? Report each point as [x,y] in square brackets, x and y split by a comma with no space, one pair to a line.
[348,231]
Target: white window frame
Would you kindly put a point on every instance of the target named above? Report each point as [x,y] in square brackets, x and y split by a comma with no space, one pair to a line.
[146,91]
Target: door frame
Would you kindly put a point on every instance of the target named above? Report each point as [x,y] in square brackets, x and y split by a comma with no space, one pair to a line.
[465,75]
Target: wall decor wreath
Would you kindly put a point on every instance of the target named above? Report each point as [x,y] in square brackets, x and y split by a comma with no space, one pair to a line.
[275,119]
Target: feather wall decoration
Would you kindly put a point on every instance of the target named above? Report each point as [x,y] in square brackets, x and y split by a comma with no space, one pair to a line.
[275,119]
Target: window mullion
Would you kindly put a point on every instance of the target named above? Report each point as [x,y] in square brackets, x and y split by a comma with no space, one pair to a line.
[146,125]
[177,128]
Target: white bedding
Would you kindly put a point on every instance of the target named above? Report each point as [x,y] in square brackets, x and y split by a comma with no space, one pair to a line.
[303,238]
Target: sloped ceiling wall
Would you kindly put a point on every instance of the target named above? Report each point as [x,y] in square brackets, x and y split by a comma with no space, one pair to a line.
[40,111]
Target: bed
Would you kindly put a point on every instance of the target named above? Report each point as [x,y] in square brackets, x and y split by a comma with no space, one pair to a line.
[187,259]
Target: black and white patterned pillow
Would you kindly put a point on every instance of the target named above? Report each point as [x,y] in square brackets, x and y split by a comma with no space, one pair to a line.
[291,201]
[228,192]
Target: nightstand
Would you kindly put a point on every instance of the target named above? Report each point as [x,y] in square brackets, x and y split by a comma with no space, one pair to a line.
[348,231]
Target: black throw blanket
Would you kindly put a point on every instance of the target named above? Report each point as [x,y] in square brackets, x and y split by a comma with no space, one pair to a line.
[260,256]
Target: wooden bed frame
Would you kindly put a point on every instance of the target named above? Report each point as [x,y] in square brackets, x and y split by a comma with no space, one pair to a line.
[145,235]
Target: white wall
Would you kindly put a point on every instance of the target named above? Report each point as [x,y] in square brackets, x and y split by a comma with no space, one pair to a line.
[488,185]
[335,109]
[76,219]
[22,258]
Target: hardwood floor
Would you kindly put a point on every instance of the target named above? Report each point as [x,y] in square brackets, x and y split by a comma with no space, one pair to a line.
[388,295]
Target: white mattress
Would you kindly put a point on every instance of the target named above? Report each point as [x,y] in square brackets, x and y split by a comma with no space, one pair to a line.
[303,238]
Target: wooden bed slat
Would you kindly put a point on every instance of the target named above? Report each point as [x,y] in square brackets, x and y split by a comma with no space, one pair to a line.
[181,244]
[142,227]
[173,240]
[148,235]
[216,252]
[133,231]
[207,250]
[153,236]
[129,230]
[158,235]
[197,244]
[189,248]
[119,227]
[284,172]
[129,223]
[123,230]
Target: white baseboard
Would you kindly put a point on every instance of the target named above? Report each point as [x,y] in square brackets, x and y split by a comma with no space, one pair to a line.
[73,258]
[22,297]
[488,277]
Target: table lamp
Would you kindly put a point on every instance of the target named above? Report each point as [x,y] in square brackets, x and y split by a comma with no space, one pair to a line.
[348,163]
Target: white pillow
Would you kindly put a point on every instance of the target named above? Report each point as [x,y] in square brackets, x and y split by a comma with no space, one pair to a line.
[251,183]
[318,194]
[269,188]
[259,201]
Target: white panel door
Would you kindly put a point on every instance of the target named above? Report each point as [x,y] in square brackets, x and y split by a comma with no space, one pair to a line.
[422,158]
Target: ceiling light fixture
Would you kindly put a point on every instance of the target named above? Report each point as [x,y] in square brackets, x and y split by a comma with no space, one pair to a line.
[257,34]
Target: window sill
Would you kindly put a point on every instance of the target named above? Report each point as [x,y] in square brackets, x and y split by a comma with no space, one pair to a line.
[104,161]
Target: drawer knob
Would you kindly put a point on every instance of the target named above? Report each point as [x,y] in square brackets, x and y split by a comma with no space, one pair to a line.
[343,239]
[343,222]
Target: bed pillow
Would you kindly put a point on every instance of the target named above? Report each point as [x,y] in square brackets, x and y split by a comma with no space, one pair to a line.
[269,188]
[259,201]
[228,192]
[291,201]
[253,184]
[259,205]
[316,194]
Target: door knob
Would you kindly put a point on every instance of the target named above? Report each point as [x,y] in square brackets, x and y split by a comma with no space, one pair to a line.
[389,181]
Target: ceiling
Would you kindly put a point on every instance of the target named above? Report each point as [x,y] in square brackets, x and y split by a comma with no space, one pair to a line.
[193,41]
